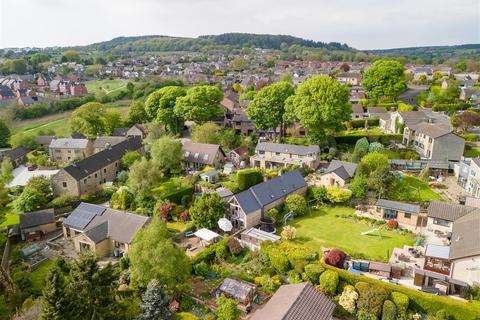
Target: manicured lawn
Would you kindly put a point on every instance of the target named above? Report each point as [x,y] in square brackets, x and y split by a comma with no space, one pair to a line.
[413,189]
[106,86]
[39,274]
[322,228]
[10,219]
[472,153]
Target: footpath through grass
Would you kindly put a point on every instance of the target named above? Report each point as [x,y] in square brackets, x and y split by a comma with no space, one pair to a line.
[322,228]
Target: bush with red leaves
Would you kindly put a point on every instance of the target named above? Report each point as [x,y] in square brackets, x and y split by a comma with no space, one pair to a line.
[184,215]
[335,258]
[164,211]
[392,224]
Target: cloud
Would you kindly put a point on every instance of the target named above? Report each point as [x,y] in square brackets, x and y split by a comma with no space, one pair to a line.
[365,25]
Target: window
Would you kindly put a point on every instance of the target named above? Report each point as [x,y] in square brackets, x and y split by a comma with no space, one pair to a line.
[407,215]
[261,152]
[105,170]
[85,181]
[277,153]
[116,164]
[187,153]
[205,157]
[64,184]
[441,222]
[69,151]
[389,214]
[95,175]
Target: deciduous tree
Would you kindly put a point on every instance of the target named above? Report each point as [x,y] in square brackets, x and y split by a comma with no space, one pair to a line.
[160,107]
[384,80]
[206,210]
[167,153]
[200,104]
[4,134]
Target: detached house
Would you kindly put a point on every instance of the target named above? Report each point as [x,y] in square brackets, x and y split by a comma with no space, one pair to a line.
[245,209]
[88,175]
[199,155]
[68,149]
[273,155]
[442,215]
[102,230]
[407,215]
[338,174]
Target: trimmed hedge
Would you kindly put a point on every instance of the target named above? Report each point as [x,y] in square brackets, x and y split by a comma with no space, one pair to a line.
[401,302]
[313,271]
[176,196]
[389,311]
[360,123]
[419,301]
[383,138]
[329,282]
[249,177]
[370,297]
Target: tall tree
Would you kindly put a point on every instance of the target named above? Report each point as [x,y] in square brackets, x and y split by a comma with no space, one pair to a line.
[55,303]
[136,113]
[6,171]
[160,105]
[267,108]
[384,80]
[205,133]
[4,134]
[153,255]
[36,195]
[200,104]
[206,210]
[154,303]
[89,119]
[167,152]
[112,119]
[320,103]
[143,175]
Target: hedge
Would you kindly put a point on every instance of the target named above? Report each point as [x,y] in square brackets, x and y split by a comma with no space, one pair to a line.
[419,301]
[383,138]
[248,178]
[313,271]
[360,123]
[401,302]
[329,282]
[389,311]
[177,195]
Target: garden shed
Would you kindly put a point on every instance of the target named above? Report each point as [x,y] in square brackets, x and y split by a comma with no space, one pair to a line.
[207,236]
[381,269]
[242,292]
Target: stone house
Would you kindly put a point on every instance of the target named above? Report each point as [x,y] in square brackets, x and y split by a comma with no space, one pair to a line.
[17,155]
[441,216]
[357,111]
[245,209]
[238,155]
[338,174]
[87,176]
[273,155]
[353,79]
[105,142]
[102,230]
[198,155]
[68,149]
[407,215]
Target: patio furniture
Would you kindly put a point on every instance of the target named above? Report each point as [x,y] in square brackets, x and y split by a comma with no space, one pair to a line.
[188,234]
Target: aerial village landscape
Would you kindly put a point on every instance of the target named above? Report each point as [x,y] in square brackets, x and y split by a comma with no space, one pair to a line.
[239,176]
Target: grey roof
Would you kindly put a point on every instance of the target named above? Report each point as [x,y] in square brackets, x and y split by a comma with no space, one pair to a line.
[97,161]
[343,169]
[237,289]
[437,251]
[120,132]
[202,153]
[378,266]
[261,235]
[69,143]
[99,223]
[36,218]
[297,302]
[269,191]
[396,205]
[16,153]
[210,173]
[448,211]
[45,140]
[466,236]
[377,110]
[78,135]
[288,148]
[430,129]
[83,215]
[101,142]
[357,108]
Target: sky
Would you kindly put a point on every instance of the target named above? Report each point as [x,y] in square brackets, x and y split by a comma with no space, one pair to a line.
[362,24]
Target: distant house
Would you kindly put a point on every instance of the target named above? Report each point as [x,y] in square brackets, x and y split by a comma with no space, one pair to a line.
[238,155]
[6,93]
[376,112]
[211,176]
[467,173]
[273,155]
[470,95]
[43,80]
[338,174]
[241,123]
[68,149]
[17,155]
[199,155]
[78,89]
[102,230]
[245,209]
[88,175]
[34,225]
[138,130]
[353,79]
[357,111]
[297,302]
[55,85]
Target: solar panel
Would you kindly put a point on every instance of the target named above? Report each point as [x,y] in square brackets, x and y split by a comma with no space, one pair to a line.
[83,214]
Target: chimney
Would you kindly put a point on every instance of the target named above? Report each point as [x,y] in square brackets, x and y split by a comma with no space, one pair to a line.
[108,146]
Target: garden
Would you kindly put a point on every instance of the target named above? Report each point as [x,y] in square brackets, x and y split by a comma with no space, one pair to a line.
[325,227]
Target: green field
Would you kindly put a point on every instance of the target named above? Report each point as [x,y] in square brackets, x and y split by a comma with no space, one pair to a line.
[105,86]
[322,228]
[10,219]
[39,274]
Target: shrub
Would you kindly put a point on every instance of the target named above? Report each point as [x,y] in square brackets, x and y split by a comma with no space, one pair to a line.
[289,232]
[376,147]
[294,277]
[365,315]
[329,282]
[297,204]
[370,298]
[186,199]
[200,269]
[389,311]
[439,315]
[248,178]
[227,309]
[335,258]
[313,271]
[392,224]
[124,263]
[401,302]
[279,260]
[338,195]
[348,298]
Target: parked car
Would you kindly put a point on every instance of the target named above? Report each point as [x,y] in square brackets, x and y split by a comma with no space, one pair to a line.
[32,167]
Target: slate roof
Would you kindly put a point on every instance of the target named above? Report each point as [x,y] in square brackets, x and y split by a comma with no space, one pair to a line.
[447,211]
[16,153]
[260,195]
[376,110]
[357,108]
[45,140]
[437,251]
[101,142]
[205,153]
[6,91]
[36,218]
[287,148]
[120,132]
[396,205]
[98,223]
[69,143]
[343,169]
[239,290]
[78,135]
[296,302]
[430,129]
[466,236]
[97,161]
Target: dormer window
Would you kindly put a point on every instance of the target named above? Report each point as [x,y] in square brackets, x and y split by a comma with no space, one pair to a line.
[187,153]
[196,155]
[205,157]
